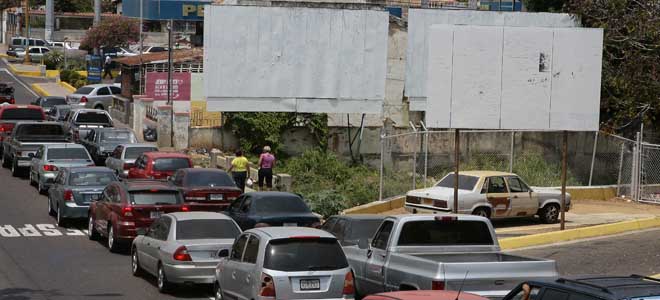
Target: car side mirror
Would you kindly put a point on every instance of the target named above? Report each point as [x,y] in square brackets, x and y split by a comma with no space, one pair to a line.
[223,253]
[363,244]
[142,231]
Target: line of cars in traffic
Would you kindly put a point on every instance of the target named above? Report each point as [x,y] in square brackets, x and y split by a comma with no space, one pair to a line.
[188,225]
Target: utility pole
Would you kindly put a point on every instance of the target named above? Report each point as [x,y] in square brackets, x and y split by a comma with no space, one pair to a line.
[170,28]
[26,59]
[141,43]
[97,12]
[50,20]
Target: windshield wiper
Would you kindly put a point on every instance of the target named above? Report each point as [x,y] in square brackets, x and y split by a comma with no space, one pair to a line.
[325,267]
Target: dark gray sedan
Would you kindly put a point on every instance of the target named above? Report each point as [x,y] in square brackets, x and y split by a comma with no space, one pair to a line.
[74,189]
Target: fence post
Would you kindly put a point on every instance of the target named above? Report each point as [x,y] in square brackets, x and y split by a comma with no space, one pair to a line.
[618,181]
[513,140]
[414,170]
[593,158]
[640,168]
[382,157]
[634,188]
[426,151]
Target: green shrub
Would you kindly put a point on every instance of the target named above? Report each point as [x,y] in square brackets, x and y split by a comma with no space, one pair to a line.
[73,78]
[53,60]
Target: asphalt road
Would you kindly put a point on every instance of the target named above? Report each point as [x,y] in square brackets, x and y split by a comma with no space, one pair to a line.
[22,93]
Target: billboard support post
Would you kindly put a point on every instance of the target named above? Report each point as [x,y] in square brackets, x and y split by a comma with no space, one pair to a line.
[564,158]
[457,159]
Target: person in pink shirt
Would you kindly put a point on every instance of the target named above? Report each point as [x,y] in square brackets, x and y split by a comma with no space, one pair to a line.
[266,164]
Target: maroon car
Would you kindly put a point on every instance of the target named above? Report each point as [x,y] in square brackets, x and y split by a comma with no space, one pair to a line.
[206,189]
[159,165]
[125,207]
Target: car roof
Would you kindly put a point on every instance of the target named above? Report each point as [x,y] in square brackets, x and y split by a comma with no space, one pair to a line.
[89,169]
[288,232]
[15,106]
[478,173]
[142,184]
[160,154]
[63,145]
[38,123]
[199,215]
[607,287]
[98,85]
[426,295]
[112,129]
[261,195]
[135,145]
[79,110]
[360,217]
[427,217]
[203,170]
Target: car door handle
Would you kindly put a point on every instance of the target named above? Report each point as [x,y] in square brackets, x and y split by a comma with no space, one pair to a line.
[247,279]
[233,275]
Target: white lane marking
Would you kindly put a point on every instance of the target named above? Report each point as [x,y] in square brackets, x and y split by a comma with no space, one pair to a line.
[74,232]
[29,230]
[39,230]
[19,82]
[49,229]
[8,231]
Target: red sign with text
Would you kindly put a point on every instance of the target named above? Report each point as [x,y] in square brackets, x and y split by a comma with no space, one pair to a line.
[156,87]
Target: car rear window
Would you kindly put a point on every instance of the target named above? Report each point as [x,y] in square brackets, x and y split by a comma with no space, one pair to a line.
[39,130]
[67,153]
[294,254]
[464,182]
[118,137]
[50,102]
[364,228]
[134,152]
[91,178]
[445,233]
[209,178]
[84,90]
[281,205]
[171,164]
[206,229]
[22,114]
[155,198]
[92,117]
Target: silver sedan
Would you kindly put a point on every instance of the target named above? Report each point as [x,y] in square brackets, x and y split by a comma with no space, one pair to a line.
[183,247]
[50,158]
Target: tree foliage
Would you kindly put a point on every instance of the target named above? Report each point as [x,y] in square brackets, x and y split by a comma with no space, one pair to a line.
[544,5]
[112,32]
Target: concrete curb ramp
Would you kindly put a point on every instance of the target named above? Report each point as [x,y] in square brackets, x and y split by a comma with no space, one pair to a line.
[578,233]
[23,73]
[39,90]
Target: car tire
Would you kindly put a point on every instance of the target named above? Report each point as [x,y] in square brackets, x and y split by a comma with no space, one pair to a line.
[40,188]
[99,106]
[161,280]
[51,211]
[92,234]
[549,214]
[31,179]
[5,161]
[217,291]
[135,263]
[15,171]
[482,212]
[113,242]
[61,221]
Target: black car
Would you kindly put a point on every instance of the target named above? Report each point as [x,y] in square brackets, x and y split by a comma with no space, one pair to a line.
[349,229]
[262,209]
[47,103]
[634,287]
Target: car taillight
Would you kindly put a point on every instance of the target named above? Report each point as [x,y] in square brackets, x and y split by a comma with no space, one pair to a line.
[261,225]
[68,195]
[349,288]
[50,168]
[181,254]
[185,208]
[127,211]
[12,100]
[437,285]
[267,286]
[83,99]
[127,166]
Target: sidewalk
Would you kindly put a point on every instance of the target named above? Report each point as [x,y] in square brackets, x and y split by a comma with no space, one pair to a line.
[51,89]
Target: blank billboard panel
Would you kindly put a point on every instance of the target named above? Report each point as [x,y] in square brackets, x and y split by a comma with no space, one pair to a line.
[295,59]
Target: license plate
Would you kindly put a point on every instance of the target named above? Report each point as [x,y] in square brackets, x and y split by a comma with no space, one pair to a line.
[156,214]
[89,197]
[291,224]
[310,284]
[216,197]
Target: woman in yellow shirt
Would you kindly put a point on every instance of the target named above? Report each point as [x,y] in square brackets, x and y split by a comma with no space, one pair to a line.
[240,170]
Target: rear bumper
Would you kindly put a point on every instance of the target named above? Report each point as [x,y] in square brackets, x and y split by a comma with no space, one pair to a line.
[23,162]
[189,273]
[74,211]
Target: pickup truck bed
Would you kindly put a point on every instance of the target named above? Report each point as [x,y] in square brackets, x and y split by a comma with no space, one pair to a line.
[473,257]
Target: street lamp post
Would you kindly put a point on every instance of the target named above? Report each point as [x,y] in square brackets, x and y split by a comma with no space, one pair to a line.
[169,79]
[26,59]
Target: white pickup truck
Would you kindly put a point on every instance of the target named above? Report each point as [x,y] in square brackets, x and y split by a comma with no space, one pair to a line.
[437,252]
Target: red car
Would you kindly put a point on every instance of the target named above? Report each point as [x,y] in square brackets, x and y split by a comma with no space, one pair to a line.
[424,295]
[206,189]
[159,165]
[125,207]
[10,114]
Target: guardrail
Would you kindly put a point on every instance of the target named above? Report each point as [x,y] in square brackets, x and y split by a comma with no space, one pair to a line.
[151,113]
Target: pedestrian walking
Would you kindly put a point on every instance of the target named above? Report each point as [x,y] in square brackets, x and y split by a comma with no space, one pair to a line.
[106,66]
[240,170]
[266,164]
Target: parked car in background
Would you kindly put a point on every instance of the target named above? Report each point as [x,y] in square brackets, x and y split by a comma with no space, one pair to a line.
[58,112]
[124,155]
[10,114]
[100,142]
[47,103]
[36,53]
[50,158]
[425,295]
[206,189]
[18,44]
[262,209]
[183,248]
[25,140]
[115,52]
[6,93]
[159,165]
[440,252]
[634,287]
[284,263]
[125,207]
[97,96]
[61,46]
[349,229]
[74,189]
[153,49]
[488,194]
[78,122]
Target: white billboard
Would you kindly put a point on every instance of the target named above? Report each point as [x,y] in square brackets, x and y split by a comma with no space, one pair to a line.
[295,59]
[490,77]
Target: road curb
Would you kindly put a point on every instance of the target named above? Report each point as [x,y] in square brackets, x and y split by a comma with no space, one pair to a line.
[16,72]
[39,90]
[67,86]
[578,233]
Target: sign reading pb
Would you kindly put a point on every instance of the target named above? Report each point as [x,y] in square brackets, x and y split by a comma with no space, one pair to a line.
[193,10]
[156,87]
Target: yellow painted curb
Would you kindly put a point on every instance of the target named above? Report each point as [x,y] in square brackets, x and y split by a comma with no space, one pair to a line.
[39,90]
[67,86]
[656,276]
[52,73]
[376,207]
[577,233]
[23,73]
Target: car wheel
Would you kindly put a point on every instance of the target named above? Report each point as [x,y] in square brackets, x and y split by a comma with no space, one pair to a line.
[5,161]
[550,214]
[14,168]
[40,187]
[31,179]
[99,106]
[482,212]
[163,284]
[60,219]
[51,211]
[135,263]
[217,291]
[113,243]
[92,234]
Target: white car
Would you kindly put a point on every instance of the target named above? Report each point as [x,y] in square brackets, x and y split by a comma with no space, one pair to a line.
[97,96]
[36,53]
[153,49]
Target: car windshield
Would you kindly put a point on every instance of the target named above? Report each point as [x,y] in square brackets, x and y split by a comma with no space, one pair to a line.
[309,254]
[134,152]
[171,164]
[464,182]
[206,229]
[116,136]
[214,178]
[50,102]
[445,233]
[85,90]
[92,117]
[22,114]
[39,130]
[91,178]
[364,229]
[279,204]
[155,198]
[67,153]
